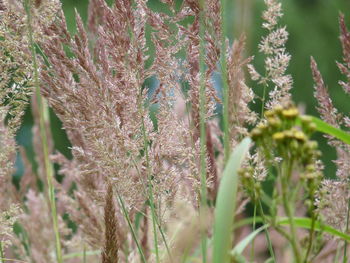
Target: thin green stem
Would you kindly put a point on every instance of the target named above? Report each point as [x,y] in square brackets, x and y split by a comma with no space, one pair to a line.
[263,101]
[285,176]
[43,119]
[202,107]
[84,254]
[164,239]
[81,254]
[267,234]
[156,218]
[311,237]
[2,256]
[126,215]
[295,192]
[337,253]
[253,241]
[150,187]
[202,114]
[225,91]
[314,216]
[195,176]
[346,231]
[12,260]
[155,221]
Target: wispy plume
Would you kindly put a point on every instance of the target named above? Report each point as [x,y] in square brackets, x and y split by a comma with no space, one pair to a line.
[334,194]
[345,42]
[326,108]
[276,57]
[240,95]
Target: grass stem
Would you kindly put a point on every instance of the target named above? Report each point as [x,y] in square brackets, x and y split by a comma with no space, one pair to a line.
[126,215]
[202,125]
[43,120]
[254,227]
[150,185]
[267,234]
[285,178]
[2,256]
[225,91]
[346,231]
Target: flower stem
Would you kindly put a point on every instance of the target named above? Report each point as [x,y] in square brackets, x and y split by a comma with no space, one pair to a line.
[2,256]
[43,119]
[126,215]
[254,227]
[225,91]
[202,114]
[346,231]
[285,178]
[149,183]
[267,234]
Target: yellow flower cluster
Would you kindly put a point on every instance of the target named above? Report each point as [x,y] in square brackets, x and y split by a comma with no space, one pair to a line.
[285,134]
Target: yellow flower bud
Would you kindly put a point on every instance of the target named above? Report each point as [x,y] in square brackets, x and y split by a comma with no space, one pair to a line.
[269,113]
[278,136]
[299,135]
[274,122]
[290,113]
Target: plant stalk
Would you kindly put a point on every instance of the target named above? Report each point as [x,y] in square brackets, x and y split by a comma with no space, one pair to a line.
[202,125]
[2,256]
[149,183]
[225,91]
[125,212]
[346,231]
[43,119]
[267,234]
[285,178]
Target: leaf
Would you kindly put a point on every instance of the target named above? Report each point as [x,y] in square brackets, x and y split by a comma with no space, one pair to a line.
[226,204]
[301,222]
[305,222]
[324,127]
[81,254]
[244,243]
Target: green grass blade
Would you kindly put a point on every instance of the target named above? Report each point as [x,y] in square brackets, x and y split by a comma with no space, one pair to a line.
[239,248]
[301,222]
[225,90]
[248,221]
[270,260]
[126,215]
[346,231]
[226,204]
[324,127]
[304,222]
[202,126]
[43,120]
[1,253]
[82,254]
[12,260]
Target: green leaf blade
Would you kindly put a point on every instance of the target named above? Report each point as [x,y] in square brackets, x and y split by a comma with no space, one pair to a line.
[226,204]
[326,128]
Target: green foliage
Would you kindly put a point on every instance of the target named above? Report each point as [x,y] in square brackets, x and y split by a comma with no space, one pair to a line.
[226,203]
[326,128]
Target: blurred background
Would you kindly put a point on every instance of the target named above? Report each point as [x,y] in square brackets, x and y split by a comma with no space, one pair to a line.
[313,31]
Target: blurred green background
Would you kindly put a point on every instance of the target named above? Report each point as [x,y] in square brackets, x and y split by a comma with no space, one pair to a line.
[313,29]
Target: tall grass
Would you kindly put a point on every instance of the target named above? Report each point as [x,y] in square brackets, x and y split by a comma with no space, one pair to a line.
[43,123]
[196,177]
